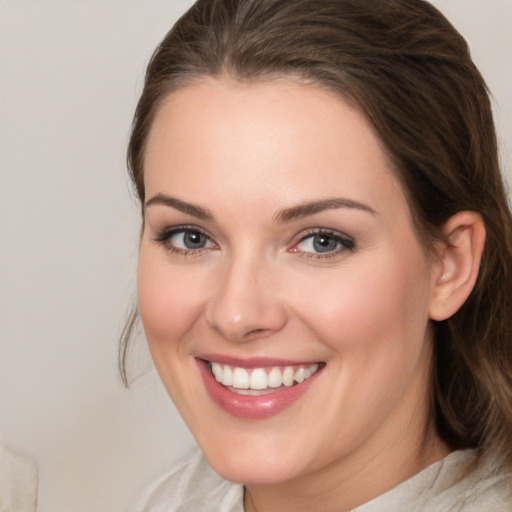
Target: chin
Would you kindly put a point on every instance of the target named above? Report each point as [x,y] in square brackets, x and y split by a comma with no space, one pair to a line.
[242,469]
[247,459]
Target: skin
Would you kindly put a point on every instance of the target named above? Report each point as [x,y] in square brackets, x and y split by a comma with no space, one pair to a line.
[245,153]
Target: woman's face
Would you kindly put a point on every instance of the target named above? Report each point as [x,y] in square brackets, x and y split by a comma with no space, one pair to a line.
[278,246]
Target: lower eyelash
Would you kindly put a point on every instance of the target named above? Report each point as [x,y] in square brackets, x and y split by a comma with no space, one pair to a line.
[162,238]
[348,244]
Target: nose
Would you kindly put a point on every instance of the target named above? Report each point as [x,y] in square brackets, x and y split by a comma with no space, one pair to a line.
[246,303]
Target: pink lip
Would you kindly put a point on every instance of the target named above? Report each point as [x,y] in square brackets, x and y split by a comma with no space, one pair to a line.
[246,406]
[252,362]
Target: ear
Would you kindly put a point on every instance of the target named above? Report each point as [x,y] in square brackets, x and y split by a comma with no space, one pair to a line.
[456,264]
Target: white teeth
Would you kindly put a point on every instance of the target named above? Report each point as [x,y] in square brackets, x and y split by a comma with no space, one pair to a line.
[275,378]
[299,375]
[288,375]
[258,379]
[217,371]
[240,378]
[227,377]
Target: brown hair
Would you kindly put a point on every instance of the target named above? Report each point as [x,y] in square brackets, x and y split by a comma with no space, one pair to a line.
[404,65]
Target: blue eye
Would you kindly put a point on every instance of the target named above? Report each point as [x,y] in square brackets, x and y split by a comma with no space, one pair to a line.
[187,239]
[184,240]
[324,243]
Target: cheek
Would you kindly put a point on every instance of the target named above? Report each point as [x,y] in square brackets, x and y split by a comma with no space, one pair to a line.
[373,319]
[169,302]
[370,308]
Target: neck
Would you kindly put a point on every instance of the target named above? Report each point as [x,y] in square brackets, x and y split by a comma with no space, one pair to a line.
[348,483]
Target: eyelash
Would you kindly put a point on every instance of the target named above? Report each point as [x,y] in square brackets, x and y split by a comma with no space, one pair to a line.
[163,238]
[346,243]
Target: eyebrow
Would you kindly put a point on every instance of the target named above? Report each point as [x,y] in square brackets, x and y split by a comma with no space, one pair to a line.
[182,206]
[310,208]
[286,215]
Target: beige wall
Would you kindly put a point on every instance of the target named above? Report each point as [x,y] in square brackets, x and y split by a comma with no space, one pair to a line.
[70,72]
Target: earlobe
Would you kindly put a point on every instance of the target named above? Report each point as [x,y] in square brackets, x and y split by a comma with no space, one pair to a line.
[457,264]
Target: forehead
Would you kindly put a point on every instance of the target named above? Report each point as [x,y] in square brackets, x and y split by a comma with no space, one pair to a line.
[264,137]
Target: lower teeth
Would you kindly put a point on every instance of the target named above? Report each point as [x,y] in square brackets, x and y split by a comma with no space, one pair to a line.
[255,392]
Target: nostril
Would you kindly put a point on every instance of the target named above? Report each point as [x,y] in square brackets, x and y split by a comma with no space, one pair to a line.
[243,318]
[257,333]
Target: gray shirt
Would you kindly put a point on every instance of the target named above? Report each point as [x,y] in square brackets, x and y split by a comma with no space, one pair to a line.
[446,486]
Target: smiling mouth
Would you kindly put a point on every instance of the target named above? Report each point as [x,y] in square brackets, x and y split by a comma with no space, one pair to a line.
[261,381]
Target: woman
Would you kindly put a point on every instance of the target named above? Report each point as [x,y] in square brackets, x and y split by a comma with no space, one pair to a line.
[324,269]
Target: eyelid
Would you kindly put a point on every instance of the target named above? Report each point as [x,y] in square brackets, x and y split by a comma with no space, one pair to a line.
[163,236]
[347,243]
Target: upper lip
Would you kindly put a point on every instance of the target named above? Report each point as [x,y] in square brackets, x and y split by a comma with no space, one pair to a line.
[254,362]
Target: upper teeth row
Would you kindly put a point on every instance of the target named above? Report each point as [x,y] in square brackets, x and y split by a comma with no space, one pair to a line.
[259,379]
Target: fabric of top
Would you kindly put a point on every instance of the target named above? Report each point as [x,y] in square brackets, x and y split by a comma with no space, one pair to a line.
[18,482]
[450,485]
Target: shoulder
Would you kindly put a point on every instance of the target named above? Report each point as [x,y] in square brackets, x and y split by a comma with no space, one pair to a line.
[461,482]
[191,485]
[481,487]
[18,481]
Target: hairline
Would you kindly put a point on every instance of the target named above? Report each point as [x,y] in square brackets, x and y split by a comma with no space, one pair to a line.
[181,81]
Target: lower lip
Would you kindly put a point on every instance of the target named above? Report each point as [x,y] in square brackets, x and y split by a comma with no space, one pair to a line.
[252,407]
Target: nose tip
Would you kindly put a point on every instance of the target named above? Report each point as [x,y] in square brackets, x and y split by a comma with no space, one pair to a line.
[245,325]
[245,308]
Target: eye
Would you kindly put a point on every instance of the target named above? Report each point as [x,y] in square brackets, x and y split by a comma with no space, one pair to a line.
[185,240]
[188,239]
[323,244]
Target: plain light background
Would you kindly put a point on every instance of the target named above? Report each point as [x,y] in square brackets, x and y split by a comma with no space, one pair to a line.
[70,75]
